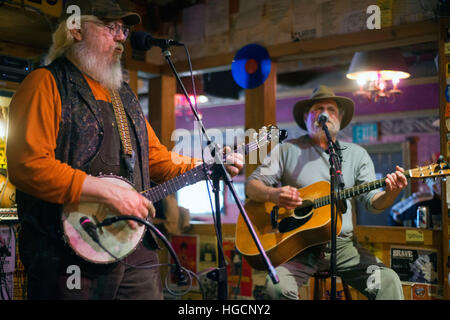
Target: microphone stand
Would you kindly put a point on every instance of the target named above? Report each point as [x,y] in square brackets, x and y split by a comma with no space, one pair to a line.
[220,274]
[335,176]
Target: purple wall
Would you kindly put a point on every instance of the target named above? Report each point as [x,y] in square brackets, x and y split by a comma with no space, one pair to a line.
[418,97]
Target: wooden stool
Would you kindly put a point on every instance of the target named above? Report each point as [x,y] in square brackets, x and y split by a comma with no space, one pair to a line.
[319,286]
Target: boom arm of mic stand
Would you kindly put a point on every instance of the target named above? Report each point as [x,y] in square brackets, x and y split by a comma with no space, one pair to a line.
[271,270]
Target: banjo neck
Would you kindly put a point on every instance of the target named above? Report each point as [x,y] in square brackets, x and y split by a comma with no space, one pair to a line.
[167,188]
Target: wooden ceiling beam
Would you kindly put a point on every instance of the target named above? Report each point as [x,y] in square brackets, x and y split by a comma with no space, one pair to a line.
[401,35]
[19,51]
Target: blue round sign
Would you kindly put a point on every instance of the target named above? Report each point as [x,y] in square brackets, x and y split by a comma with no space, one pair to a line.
[251,66]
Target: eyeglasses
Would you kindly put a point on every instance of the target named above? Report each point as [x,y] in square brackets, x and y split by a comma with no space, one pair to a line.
[115,28]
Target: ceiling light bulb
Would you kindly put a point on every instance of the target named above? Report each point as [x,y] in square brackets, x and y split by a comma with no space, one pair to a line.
[202,99]
[395,81]
[361,80]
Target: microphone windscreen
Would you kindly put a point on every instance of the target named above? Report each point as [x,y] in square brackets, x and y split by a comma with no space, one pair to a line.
[138,40]
[323,117]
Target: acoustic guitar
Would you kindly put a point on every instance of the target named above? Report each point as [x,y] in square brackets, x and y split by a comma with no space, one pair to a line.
[119,238]
[285,233]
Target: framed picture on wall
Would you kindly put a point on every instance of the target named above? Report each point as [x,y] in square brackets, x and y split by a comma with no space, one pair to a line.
[415,265]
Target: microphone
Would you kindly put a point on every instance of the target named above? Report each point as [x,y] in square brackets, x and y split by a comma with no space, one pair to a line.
[141,40]
[323,118]
[90,228]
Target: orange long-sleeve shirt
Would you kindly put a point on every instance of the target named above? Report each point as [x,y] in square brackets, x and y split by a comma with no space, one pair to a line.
[34,117]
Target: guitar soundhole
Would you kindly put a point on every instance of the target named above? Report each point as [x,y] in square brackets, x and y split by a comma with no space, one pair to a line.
[304,209]
[302,215]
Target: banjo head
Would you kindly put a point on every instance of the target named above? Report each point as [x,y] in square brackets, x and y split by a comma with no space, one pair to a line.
[119,238]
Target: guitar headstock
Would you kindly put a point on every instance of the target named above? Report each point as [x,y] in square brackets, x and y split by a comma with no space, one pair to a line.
[264,137]
[436,170]
[271,133]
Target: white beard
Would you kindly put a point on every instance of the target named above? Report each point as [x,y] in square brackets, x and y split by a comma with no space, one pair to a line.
[109,74]
[315,130]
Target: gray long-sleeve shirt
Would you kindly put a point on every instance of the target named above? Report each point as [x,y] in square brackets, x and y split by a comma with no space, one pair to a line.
[300,163]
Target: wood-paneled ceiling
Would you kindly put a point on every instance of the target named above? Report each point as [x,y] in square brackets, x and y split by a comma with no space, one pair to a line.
[297,64]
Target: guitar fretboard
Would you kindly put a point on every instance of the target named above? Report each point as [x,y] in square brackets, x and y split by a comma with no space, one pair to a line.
[353,192]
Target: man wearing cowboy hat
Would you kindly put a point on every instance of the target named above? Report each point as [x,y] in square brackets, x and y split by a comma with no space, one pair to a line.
[303,161]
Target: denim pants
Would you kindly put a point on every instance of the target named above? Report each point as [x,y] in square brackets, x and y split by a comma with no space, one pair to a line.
[354,264]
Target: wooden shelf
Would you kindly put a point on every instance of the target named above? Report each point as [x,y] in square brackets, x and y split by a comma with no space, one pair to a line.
[396,235]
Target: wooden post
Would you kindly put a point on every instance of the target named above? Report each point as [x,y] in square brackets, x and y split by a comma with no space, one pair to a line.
[413,157]
[444,59]
[161,105]
[134,81]
[260,109]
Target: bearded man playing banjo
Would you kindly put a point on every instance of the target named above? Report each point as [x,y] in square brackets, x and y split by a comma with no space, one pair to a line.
[66,129]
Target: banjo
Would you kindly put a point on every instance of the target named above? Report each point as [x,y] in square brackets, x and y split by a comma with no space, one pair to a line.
[119,238]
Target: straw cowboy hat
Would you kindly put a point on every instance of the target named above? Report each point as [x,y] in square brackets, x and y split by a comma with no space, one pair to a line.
[346,106]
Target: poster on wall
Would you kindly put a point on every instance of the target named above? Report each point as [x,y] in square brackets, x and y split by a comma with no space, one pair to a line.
[420,291]
[415,265]
[207,253]
[7,250]
[185,248]
[207,262]
[6,286]
[7,262]
[238,270]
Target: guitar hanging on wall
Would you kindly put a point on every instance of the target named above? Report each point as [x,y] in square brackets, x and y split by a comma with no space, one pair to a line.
[285,233]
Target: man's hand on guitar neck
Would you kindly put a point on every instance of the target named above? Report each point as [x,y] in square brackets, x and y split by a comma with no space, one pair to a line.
[234,162]
[118,199]
[395,183]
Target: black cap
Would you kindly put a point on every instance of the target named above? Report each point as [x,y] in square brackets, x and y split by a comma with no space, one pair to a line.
[103,9]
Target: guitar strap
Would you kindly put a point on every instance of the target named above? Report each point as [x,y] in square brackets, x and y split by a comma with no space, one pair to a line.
[124,132]
[338,150]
